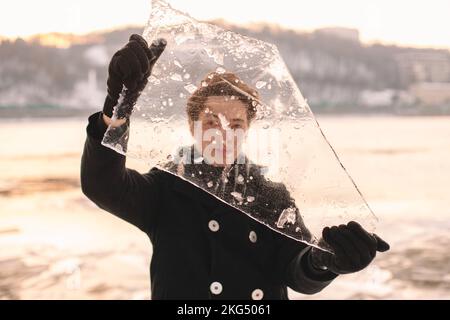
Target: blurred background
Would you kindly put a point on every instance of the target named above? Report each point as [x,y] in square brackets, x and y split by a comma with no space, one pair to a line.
[376,74]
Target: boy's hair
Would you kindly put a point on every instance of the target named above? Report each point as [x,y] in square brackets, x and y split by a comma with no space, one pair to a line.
[223,84]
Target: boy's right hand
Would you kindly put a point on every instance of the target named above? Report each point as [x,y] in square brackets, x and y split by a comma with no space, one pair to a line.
[130,67]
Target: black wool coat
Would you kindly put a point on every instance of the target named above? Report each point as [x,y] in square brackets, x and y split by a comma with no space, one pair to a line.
[202,247]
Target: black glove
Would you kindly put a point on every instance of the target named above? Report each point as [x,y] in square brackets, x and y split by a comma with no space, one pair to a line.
[354,248]
[130,67]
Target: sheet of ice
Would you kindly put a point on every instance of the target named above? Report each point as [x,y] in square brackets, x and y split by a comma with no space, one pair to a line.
[285,174]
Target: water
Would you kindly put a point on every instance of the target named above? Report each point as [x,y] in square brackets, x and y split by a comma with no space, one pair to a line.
[56,244]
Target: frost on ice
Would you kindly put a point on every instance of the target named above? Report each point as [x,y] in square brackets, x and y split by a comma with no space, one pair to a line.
[282,172]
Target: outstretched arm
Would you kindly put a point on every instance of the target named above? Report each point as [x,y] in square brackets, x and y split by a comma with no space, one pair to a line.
[104,178]
[108,183]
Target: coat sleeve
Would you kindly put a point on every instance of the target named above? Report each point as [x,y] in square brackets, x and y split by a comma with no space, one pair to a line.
[296,269]
[292,257]
[106,181]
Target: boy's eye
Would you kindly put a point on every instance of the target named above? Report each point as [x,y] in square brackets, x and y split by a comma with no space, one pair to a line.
[211,123]
[236,126]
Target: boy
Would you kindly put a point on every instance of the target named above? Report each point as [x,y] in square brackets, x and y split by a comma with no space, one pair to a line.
[202,247]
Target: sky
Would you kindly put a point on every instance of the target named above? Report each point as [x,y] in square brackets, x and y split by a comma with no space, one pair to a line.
[422,23]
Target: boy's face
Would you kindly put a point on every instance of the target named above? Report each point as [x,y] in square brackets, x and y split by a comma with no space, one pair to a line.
[223,124]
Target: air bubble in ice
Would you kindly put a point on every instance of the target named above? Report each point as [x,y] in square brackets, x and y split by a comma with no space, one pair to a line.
[210,184]
[198,160]
[220,70]
[215,55]
[186,76]
[190,88]
[237,196]
[204,84]
[154,81]
[287,216]
[260,84]
[223,122]
[178,64]
[250,199]
[183,37]
[240,179]
[176,77]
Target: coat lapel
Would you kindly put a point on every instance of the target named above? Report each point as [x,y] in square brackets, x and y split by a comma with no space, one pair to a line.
[195,193]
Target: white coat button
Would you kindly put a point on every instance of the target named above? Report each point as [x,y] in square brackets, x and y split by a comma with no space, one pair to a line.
[253,237]
[213,226]
[257,294]
[215,287]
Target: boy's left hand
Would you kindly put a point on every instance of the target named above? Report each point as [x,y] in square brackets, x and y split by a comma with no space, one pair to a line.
[354,249]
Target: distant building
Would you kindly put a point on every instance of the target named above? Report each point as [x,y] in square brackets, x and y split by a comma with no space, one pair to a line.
[86,93]
[431,93]
[339,32]
[385,98]
[374,99]
[431,66]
